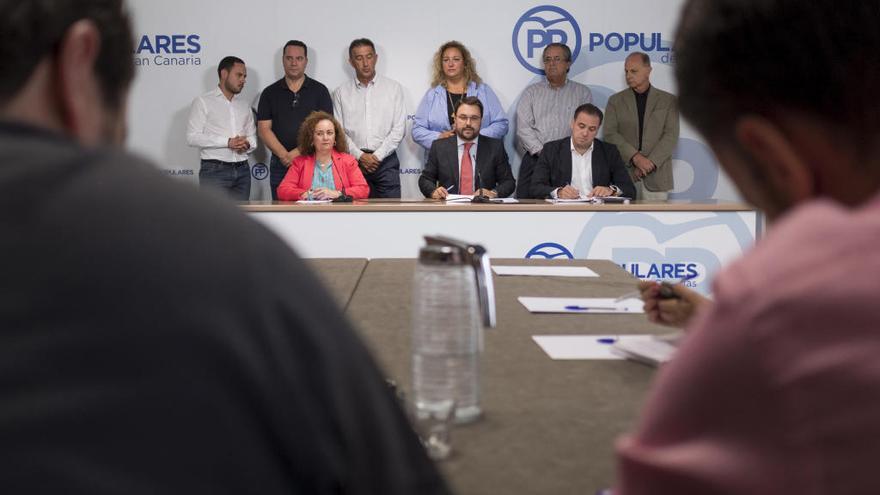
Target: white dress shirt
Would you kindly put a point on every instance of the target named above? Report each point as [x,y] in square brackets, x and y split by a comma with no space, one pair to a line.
[213,119]
[581,171]
[373,115]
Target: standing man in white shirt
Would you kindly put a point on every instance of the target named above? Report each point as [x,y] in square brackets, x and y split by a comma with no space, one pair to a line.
[222,125]
[372,112]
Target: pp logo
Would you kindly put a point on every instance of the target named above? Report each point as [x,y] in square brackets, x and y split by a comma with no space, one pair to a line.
[549,251]
[698,166]
[260,171]
[686,248]
[539,27]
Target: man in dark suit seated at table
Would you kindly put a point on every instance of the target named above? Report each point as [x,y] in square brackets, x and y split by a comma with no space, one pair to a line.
[581,165]
[450,167]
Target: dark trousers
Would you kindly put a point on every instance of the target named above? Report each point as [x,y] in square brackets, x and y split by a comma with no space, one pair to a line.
[233,178]
[524,178]
[277,171]
[385,180]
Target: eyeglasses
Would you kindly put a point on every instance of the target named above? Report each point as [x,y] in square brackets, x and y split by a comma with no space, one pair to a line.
[295,100]
[549,60]
[469,118]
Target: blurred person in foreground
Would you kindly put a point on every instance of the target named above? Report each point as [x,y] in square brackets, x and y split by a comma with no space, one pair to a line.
[129,366]
[776,387]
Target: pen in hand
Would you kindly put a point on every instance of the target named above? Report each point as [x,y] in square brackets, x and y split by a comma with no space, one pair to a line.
[666,290]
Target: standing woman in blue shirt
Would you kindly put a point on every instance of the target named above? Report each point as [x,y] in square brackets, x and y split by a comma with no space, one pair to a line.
[455,76]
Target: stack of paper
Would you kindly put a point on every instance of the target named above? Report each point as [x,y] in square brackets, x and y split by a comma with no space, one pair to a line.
[649,349]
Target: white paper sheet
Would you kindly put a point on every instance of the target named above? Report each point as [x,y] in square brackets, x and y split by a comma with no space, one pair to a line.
[545,271]
[595,200]
[581,305]
[561,201]
[459,198]
[314,201]
[570,347]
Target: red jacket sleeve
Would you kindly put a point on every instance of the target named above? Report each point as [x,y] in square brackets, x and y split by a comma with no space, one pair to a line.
[292,187]
[350,175]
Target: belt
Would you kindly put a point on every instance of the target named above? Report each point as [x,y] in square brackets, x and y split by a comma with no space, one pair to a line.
[220,162]
[365,150]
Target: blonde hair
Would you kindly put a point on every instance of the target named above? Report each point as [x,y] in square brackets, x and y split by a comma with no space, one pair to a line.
[470,67]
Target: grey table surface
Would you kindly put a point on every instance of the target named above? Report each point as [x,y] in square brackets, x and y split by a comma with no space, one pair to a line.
[548,426]
[339,275]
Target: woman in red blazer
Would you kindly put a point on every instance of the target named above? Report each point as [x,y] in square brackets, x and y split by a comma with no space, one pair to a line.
[323,170]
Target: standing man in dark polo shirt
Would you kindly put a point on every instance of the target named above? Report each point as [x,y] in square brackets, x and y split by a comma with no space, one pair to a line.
[283,107]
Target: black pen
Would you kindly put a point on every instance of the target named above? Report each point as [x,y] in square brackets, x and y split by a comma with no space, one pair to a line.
[666,289]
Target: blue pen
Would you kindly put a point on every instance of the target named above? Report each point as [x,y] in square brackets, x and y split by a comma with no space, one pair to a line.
[575,307]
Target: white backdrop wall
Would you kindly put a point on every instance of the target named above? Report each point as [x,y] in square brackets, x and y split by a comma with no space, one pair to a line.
[181,42]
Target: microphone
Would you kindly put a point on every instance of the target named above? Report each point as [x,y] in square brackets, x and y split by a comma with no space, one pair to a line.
[343,198]
[482,198]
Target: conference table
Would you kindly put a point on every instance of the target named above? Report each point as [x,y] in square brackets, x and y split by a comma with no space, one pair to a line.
[649,239]
[548,426]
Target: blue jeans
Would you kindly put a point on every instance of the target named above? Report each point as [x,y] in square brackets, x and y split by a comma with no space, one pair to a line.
[233,178]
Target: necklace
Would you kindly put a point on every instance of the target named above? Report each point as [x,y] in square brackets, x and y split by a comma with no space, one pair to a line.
[452,104]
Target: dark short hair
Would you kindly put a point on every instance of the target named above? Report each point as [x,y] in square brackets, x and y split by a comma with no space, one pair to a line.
[360,42]
[565,50]
[642,56]
[296,43]
[589,109]
[564,47]
[31,30]
[772,57]
[469,100]
[227,63]
[305,141]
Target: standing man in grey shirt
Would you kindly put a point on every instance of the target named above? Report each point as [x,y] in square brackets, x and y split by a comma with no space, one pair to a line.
[544,111]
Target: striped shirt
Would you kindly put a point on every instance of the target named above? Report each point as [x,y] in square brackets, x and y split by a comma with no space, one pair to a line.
[544,113]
